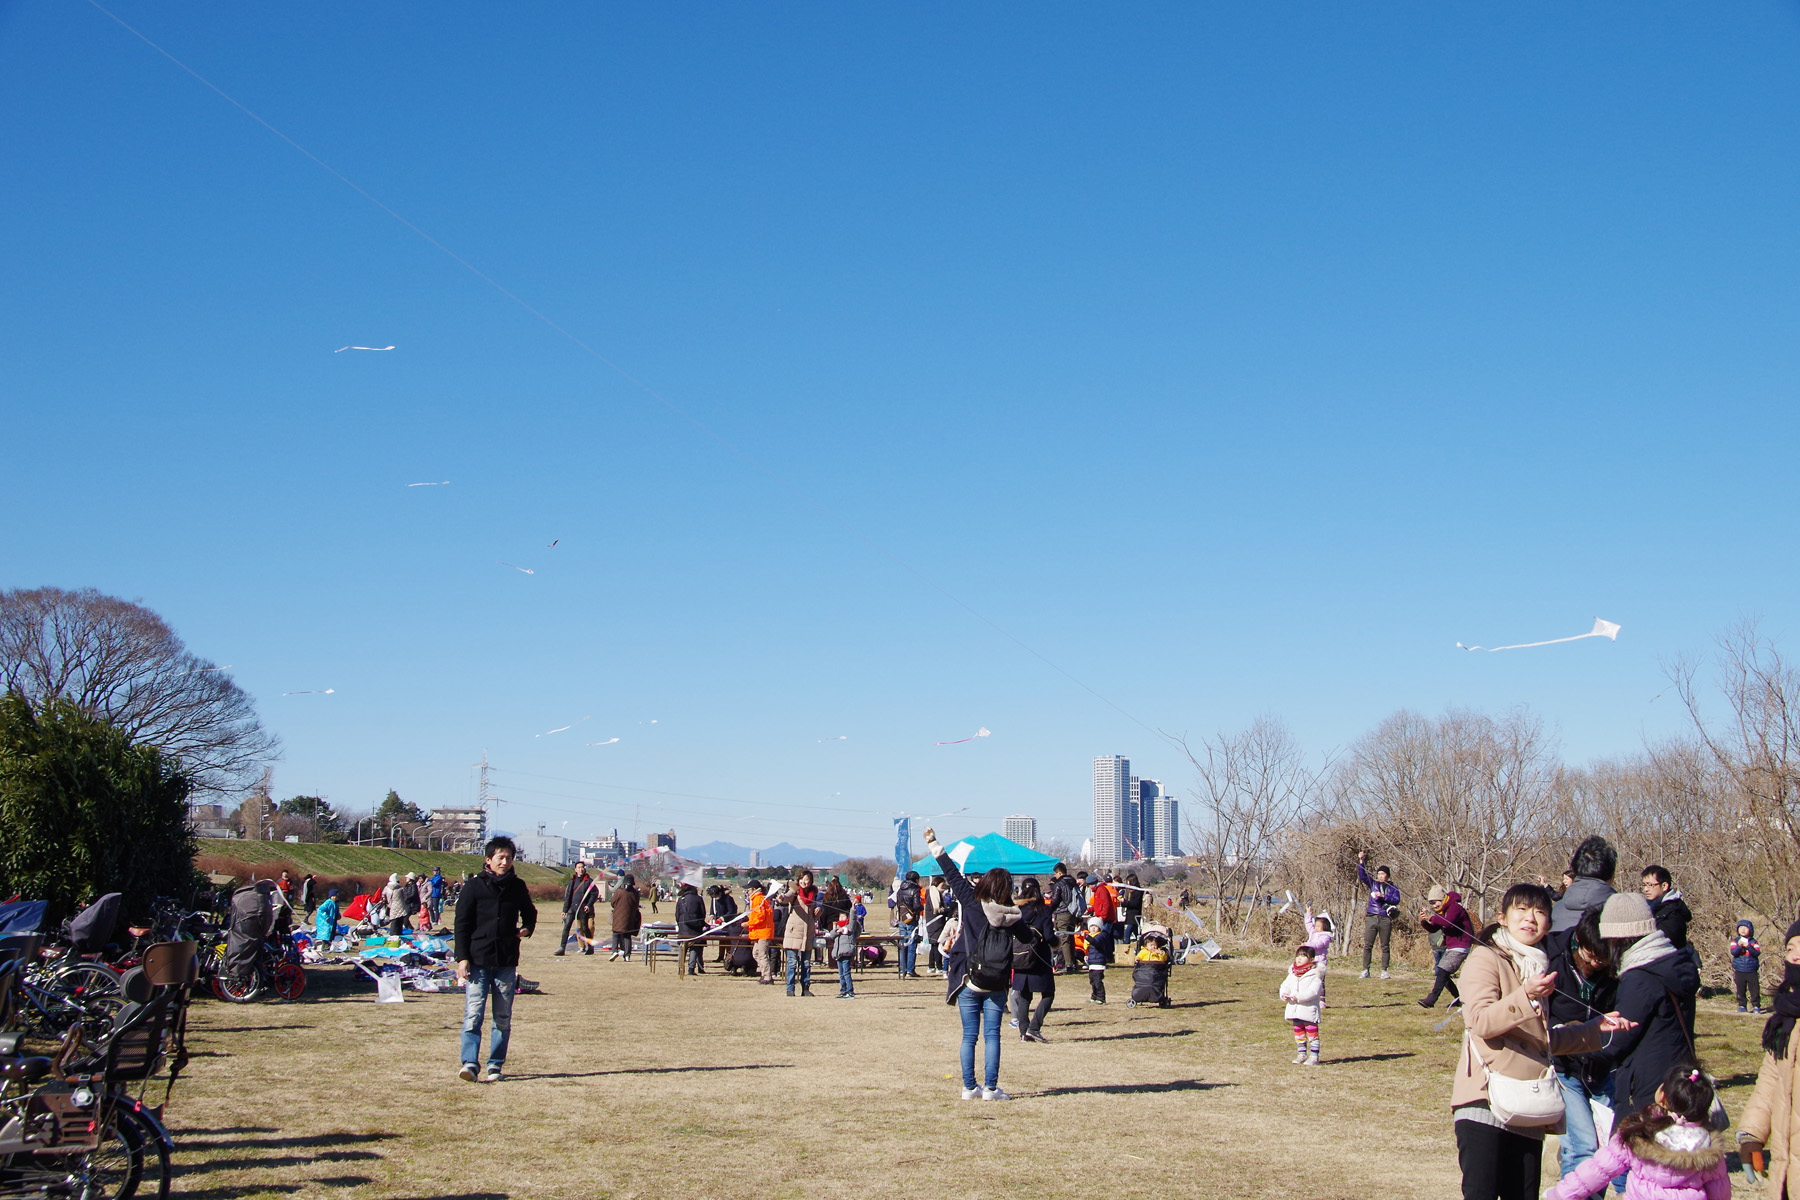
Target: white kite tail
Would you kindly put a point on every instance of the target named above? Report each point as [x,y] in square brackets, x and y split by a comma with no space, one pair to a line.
[1602,628]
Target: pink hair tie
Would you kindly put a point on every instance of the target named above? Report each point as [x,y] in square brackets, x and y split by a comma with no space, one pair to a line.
[1693,1077]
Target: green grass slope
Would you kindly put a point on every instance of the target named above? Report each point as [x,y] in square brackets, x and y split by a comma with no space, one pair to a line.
[341,861]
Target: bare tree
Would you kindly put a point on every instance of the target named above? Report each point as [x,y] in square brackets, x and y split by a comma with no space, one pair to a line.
[1251,788]
[1755,753]
[1463,800]
[123,664]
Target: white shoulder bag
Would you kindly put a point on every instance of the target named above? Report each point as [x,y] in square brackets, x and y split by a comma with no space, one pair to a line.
[1525,1103]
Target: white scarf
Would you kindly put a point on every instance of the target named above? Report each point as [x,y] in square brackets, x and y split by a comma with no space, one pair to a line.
[1530,960]
[1646,950]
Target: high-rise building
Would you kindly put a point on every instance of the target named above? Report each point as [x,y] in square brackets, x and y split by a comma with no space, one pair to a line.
[1021,829]
[1112,787]
[1140,817]
[1164,820]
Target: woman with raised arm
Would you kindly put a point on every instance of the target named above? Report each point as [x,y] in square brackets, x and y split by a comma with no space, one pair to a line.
[991,925]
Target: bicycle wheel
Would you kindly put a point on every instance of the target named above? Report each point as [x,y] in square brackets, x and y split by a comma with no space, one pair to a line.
[290,980]
[236,991]
[87,979]
[155,1171]
[110,1171]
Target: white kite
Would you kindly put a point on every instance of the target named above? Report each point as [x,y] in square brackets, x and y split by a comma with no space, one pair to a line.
[607,742]
[341,349]
[842,737]
[516,567]
[979,733]
[326,692]
[1605,629]
[439,483]
[561,728]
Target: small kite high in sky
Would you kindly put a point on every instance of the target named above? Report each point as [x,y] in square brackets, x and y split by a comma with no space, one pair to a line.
[979,733]
[326,692]
[516,567]
[552,545]
[842,737]
[437,483]
[607,742]
[341,349]
[1605,629]
[560,728]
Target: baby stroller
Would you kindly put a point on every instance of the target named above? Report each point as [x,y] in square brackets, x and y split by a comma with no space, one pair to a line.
[1150,968]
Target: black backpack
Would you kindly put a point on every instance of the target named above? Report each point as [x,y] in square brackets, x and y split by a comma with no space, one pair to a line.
[990,959]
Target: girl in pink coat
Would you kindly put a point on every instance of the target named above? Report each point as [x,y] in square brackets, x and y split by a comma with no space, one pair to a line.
[1666,1147]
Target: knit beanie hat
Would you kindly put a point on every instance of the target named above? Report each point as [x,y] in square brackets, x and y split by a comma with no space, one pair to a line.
[1435,894]
[1793,931]
[1626,915]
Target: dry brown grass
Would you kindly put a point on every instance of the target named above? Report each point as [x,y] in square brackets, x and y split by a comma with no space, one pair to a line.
[629,1084]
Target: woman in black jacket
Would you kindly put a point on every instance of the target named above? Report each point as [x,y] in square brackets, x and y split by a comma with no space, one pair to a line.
[1034,972]
[1656,988]
[991,930]
[1131,906]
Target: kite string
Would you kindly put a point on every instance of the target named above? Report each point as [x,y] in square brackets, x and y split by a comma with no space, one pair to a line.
[699,425]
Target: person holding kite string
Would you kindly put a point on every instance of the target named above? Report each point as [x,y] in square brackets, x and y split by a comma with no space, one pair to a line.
[1378,914]
[990,925]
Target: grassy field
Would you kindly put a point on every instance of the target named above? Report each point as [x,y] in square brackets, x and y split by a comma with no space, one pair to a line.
[365,862]
[627,1084]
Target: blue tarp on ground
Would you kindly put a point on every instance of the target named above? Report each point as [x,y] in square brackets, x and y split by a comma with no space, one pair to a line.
[974,855]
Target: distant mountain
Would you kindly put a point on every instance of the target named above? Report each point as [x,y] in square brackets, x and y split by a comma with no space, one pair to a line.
[782,853]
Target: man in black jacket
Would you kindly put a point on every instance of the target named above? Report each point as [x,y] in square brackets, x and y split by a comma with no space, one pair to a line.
[1670,911]
[578,910]
[690,926]
[1065,910]
[493,912]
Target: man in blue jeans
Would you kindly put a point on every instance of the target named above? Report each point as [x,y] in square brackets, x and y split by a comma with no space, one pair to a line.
[493,912]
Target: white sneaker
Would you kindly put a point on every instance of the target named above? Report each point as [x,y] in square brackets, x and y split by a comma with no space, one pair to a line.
[493,1074]
[971,1093]
[468,1073]
[994,1094]
[1384,974]
[1364,975]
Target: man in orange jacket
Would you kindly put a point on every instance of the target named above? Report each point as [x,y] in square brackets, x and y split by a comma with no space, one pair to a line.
[761,927]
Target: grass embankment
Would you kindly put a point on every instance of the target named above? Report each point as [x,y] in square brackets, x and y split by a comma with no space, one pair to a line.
[232,856]
[626,1084]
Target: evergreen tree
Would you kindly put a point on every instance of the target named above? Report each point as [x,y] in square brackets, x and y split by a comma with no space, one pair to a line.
[84,812]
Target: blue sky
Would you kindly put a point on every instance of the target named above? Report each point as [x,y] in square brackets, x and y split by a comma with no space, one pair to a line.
[1236,360]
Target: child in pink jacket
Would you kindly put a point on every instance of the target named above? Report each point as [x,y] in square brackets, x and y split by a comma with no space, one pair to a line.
[1666,1147]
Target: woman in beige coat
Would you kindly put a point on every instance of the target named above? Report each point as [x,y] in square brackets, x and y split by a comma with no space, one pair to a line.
[1504,984]
[802,901]
[1769,1118]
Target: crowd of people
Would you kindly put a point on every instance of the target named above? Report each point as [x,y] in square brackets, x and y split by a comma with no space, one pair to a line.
[1578,1002]
[1578,1005]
